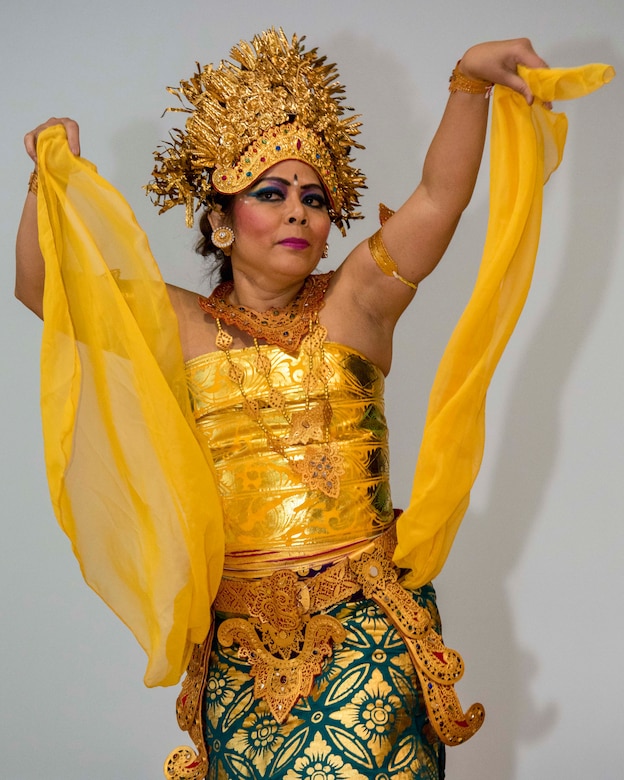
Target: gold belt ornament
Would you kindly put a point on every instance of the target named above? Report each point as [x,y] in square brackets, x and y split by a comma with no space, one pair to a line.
[281,630]
[284,644]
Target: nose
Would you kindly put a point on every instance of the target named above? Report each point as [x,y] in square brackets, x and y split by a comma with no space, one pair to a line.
[296,210]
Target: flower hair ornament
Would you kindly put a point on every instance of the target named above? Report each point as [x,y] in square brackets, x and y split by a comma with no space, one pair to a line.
[274,101]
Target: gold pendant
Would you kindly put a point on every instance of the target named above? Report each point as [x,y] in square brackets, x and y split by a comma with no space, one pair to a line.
[310,424]
[321,468]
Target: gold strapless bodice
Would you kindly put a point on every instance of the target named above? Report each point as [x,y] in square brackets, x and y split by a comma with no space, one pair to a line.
[271,517]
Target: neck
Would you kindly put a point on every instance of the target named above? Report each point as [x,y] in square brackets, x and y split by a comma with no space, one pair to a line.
[262,295]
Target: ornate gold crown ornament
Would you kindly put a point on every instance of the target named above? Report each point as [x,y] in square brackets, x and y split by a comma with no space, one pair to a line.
[275,102]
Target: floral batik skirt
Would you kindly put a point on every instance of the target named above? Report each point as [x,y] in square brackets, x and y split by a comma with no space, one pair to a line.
[364,718]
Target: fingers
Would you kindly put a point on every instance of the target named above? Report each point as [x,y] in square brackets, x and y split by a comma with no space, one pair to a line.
[519,85]
[71,129]
[498,62]
[528,57]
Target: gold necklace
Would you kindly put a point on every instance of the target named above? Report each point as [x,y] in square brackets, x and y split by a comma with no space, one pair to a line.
[285,327]
[322,465]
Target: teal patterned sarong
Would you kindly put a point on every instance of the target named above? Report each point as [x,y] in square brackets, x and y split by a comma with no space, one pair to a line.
[364,718]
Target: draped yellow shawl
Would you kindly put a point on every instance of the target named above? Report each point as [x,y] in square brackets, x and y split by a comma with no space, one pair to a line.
[131,484]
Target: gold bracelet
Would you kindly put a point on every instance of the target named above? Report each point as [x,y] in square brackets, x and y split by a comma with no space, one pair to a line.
[459,82]
[33,182]
[382,257]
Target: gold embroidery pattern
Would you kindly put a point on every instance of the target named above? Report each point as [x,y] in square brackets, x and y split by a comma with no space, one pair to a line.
[374,713]
[318,760]
[261,739]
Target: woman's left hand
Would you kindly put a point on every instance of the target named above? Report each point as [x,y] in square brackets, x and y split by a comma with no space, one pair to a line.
[497,62]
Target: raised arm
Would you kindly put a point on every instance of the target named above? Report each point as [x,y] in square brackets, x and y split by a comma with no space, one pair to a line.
[417,235]
[29,269]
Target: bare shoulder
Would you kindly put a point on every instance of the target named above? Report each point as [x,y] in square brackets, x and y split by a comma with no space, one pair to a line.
[183,301]
[197,329]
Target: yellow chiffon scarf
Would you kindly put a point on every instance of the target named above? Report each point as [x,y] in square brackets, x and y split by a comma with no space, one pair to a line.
[526,147]
[129,481]
[131,484]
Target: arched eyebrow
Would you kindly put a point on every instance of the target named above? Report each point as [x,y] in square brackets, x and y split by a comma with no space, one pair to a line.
[287,183]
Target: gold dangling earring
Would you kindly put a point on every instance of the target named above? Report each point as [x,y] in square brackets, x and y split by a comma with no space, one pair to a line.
[325,252]
[222,237]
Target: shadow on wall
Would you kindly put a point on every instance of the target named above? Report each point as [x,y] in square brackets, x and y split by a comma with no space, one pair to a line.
[475,582]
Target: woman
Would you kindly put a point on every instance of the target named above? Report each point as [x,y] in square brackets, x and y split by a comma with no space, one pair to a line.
[318,660]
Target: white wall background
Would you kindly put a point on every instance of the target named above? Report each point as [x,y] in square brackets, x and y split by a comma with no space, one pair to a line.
[532,593]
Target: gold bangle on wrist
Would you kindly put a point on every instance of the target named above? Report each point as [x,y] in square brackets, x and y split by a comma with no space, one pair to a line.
[459,82]
[33,182]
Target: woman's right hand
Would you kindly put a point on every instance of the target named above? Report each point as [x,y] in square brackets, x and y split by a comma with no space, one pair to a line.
[71,129]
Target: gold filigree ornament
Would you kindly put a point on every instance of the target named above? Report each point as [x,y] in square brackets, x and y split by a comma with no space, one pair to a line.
[284,645]
[282,682]
[223,237]
[185,763]
[438,667]
[285,327]
[273,102]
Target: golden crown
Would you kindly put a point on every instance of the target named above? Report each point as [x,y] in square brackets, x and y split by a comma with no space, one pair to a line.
[279,102]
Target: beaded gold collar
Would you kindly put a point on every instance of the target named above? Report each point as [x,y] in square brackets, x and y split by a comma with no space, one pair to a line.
[285,327]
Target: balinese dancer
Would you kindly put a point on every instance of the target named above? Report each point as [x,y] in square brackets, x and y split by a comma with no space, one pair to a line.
[221,463]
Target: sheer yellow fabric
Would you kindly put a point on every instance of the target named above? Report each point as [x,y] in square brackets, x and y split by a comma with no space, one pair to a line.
[526,147]
[129,481]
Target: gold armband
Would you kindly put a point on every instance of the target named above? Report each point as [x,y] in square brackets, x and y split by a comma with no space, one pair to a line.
[384,261]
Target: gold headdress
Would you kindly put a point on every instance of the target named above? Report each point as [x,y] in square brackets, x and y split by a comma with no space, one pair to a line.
[279,102]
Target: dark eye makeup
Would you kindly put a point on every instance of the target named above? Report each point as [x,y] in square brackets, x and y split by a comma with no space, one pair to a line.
[315,199]
[271,191]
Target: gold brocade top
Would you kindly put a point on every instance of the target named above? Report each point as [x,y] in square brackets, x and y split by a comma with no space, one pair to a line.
[271,518]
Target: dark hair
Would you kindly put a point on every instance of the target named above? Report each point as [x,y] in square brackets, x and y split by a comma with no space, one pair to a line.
[204,246]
